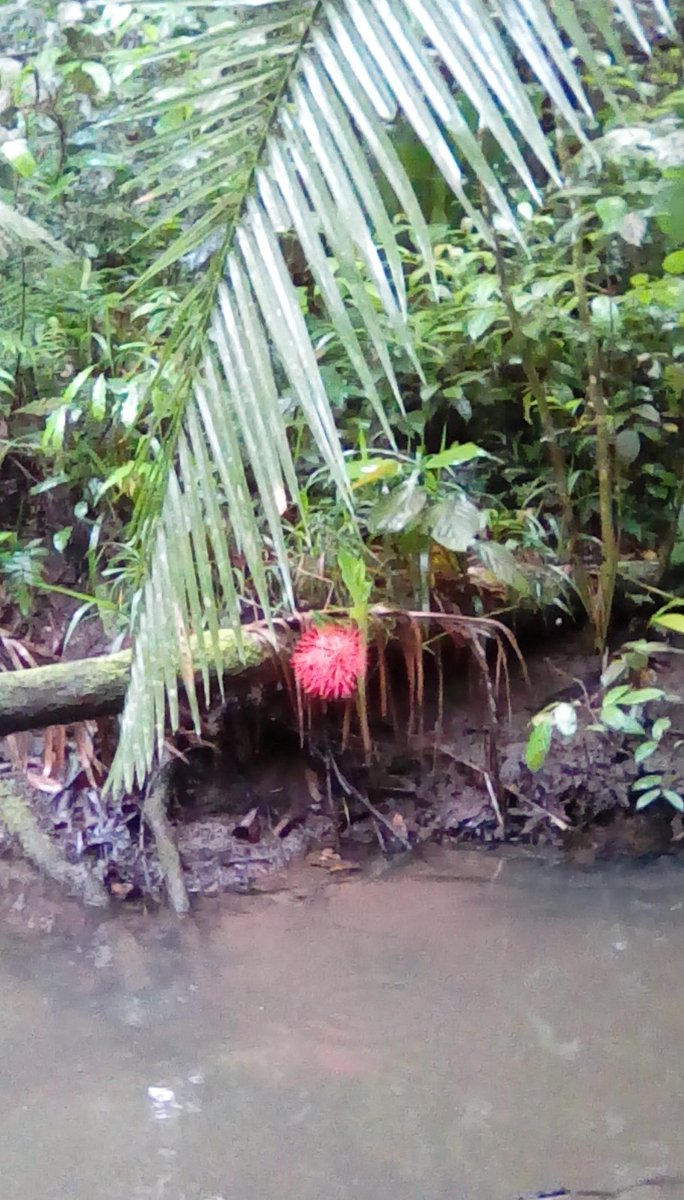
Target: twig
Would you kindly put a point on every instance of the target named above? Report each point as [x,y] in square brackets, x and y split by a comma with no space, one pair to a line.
[509,787]
[493,777]
[495,802]
[350,790]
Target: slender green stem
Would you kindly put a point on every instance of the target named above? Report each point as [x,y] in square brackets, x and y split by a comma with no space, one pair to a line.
[596,400]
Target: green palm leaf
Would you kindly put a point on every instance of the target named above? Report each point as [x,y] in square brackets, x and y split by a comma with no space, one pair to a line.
[279,119]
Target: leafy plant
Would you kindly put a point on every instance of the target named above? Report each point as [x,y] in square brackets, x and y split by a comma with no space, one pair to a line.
[622,709]
[20,567]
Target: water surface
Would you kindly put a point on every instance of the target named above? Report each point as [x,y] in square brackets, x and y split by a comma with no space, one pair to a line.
[467,1028]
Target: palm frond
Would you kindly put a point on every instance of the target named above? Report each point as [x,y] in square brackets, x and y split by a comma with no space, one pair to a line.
[284,111]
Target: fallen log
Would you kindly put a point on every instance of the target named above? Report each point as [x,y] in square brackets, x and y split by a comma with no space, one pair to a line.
[96,687]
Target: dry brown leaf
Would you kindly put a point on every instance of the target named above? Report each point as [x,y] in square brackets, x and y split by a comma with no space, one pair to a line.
[86,752]
[399,826]
[18,747]
[121,891]
[54,750]
[330,860]
[343,865]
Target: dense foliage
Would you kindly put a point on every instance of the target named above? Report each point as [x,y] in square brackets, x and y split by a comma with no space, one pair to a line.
[532,419]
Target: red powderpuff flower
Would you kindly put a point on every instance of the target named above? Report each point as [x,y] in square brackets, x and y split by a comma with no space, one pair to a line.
[328,661]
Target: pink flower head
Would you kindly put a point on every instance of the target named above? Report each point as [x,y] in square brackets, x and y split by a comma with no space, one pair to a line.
[328,661]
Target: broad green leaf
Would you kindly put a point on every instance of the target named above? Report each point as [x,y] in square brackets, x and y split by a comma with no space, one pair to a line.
[355,577]
[660,727]
[627,446]
[611,210]
[617,694]
[670,209]
[455,523]
[642,695]
[646,781]
[615,670]
[648,411]
[98,399]
[482,319]
[644,751]
[20,158]
[454,455]
[674,263]
[364,471]
[674,799]
[673,621]
[501,562]
[538,745]
[395,512]
[647,798]
[618,720]
[70,12]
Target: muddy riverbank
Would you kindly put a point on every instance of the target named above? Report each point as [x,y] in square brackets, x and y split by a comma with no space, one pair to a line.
[250,802]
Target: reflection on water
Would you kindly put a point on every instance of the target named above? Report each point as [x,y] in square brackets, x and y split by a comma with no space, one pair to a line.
[464,1029]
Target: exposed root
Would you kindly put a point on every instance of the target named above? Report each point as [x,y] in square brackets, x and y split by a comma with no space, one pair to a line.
[15,811]
[493,777]
[352,792]
[154,813]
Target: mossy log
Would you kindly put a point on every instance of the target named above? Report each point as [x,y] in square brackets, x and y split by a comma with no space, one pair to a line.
[95,687]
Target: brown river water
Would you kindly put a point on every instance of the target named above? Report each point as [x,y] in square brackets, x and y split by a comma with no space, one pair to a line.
[464,1028]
